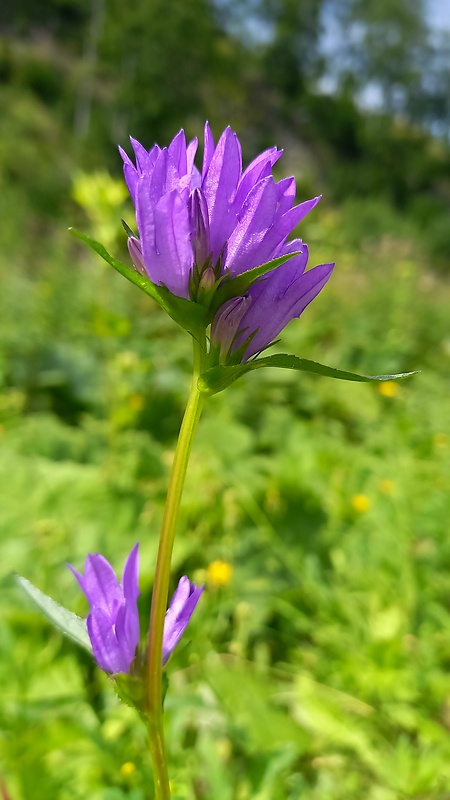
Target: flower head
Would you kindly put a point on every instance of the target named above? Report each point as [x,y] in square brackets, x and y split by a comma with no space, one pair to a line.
[219,573]
[389,389]
[113,620]
[360,503]
[221,218]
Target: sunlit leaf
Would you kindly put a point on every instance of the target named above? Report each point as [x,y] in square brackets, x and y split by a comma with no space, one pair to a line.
[69,623]
[189,315]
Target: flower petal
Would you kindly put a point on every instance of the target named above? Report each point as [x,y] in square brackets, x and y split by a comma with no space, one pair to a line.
[308,287]
[219,186]
[295,215]
[247,245]
[78,576]
[274,242]
[177,151]
[200,227]
[144,160]
[191,151]
[259,168]
[286,194]
[164,177]
[145,220]
[178,614]
[101,586]
[208,149]
[107,651]
[173,258]
[127,631]
[130,173]
[130,575]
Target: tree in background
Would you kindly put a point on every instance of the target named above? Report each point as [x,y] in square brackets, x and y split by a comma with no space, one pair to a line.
[385,45]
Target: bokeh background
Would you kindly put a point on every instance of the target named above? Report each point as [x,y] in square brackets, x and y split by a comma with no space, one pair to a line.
[317,665]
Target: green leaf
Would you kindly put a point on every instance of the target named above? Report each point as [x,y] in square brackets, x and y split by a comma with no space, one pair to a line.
[69,623]
[216,379]
[237,286]
[191,316]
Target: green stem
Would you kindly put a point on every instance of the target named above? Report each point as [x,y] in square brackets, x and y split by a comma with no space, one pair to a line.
[162,576]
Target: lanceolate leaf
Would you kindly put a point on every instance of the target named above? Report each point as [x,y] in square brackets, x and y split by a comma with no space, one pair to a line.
[189,315]
[69,623]
[237,286]
[216,379]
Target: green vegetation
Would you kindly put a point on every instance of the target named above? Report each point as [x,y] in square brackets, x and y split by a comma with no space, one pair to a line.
[320,671]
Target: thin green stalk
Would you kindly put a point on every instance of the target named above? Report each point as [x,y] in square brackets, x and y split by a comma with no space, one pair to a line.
[162,576]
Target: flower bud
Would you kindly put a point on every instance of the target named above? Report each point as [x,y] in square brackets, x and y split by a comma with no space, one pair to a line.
[206,283]
[181,608]
[135,251]
[200,226]
[225,326]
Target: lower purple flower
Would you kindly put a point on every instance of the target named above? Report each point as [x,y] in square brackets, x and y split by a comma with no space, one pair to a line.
[247,325]
[113,619]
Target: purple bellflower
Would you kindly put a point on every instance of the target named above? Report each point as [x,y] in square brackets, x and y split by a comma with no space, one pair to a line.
[220,218]
[247,325]
[198,227]
[113,619]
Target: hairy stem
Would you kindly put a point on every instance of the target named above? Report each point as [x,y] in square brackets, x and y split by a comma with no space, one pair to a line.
[162,576]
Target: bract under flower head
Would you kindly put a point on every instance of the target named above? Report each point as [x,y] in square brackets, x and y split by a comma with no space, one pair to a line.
[222,217]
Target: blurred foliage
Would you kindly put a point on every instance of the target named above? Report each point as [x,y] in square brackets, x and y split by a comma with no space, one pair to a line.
[79,79]
[317,665]
[102,198]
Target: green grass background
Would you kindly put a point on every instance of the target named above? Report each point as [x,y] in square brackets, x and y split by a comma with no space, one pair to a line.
[321,671]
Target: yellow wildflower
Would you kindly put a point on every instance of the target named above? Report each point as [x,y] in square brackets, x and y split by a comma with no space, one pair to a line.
[360,503]
[219,573]
[128,769]
[388,389]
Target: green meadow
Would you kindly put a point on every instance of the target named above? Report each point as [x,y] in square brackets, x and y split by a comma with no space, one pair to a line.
[321,668]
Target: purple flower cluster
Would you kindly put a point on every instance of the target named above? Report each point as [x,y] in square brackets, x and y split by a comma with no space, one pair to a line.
[254,321]
[197,227]
[113,620]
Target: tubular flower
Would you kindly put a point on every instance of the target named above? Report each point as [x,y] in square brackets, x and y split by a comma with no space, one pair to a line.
[268,306]
[113,620]
[221,218]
